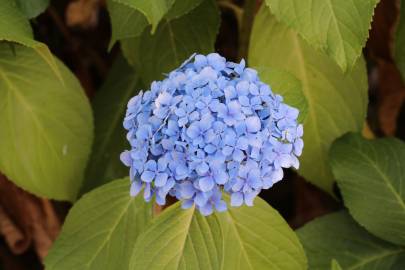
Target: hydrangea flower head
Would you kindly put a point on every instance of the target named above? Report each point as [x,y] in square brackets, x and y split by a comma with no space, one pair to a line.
[209,127]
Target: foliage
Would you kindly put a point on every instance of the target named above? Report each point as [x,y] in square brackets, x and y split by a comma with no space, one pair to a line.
[109,107]
[373,169]
[33,8]
[110,225]
[13,25]
[60,142]
[174,41]
[105,224]
[336,101]
[288,86]
[42,143]
[337,237]
[339,28]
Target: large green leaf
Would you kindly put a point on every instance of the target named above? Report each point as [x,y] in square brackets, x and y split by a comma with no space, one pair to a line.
[400,42]
[286,85]
[339,28]
[32,8]
[173,42]
[337,101]
[100,230]
[242,238]
[259,238]
[14,26]
[109,106]
[182,7]
[153,10]
[337,236]
[126,22]
[371,176]
[46,124]
[179,239]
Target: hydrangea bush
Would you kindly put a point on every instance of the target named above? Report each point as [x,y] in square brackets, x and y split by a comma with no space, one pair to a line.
[210,126]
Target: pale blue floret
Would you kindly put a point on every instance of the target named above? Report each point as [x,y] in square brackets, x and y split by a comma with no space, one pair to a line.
[209,127]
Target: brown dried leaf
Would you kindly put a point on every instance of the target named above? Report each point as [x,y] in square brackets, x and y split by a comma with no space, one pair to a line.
[83,13]
[15,239]
[387,79]
[391,95]
[380,44]
[32,216]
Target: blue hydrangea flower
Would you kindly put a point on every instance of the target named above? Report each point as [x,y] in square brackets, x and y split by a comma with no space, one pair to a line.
[211,127]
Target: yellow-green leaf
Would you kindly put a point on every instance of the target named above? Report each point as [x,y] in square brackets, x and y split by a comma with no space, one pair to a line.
[337,101]
[14,26]
[337,27]
[101,229]
[46,124]
[259,238]
[286,85]
[246,238]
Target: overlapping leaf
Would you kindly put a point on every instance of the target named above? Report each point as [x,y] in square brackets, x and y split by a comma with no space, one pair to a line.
[173,42]
[14,26]
[243,238]
[32,8]
[109,106]
[179,239]
[46,124]
[182,7]
[154,10]
[339,28]
[337,102]
[259,238]
[371,176]
[286,85]
[338,237]
[128,22]
[100,230]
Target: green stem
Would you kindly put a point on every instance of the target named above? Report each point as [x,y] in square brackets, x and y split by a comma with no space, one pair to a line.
[247,23]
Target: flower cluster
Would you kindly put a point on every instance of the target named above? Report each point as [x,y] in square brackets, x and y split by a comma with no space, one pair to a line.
[210,126]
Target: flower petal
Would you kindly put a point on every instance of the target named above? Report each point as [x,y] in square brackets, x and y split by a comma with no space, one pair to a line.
[253,124]
[147,176]
[161,179]
[206,183]
[126,158]
[136,187]
[236,199]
